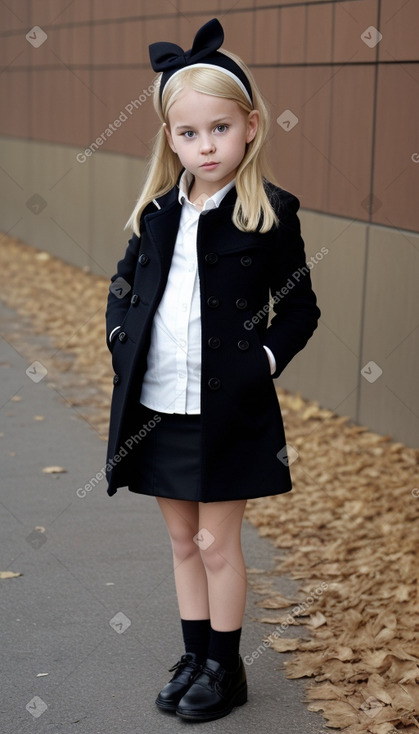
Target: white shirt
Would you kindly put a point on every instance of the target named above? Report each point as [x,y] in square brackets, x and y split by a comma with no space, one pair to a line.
[172,381]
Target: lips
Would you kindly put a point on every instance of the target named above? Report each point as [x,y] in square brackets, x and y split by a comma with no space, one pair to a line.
[209,165]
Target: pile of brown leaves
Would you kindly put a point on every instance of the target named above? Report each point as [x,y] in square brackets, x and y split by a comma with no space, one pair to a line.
[350,526]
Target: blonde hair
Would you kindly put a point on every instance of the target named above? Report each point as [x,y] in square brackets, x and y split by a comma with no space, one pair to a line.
[164,166]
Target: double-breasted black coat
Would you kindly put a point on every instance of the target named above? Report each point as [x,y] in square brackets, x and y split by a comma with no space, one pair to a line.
[241,275]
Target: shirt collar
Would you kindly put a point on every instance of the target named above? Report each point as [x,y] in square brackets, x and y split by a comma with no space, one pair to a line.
[212,202]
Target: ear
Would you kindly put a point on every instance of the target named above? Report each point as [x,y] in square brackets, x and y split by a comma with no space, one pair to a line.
[169,136]
[252,125]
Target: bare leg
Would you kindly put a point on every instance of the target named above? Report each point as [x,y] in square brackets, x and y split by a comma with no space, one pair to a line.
[221,553]
[182,519]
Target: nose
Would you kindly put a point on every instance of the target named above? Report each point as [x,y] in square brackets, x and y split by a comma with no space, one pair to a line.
[207,144]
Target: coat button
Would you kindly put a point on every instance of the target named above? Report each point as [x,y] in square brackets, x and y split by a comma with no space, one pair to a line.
[116,379]
[134,299]
[211,258]
[214,342]
[213,302]
[214,383]
[246,260]
[243,344]
[241,303]
[144,259]
[122,336]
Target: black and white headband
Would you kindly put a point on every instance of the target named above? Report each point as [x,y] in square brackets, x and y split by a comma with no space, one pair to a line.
[170,58]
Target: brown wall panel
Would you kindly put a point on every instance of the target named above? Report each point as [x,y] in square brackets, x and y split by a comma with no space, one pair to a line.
[351,141]
[266,45]
[399,26]
[292,29]
[119,44]
[351,19]
[396,141]
[15,17]
[73,45]
[127,8]
[319,33]
[60,106]
[288,160]
[53,12]
[15,113]
[121,89]
[315,131]
[238,33]
[15,51]
[209,6]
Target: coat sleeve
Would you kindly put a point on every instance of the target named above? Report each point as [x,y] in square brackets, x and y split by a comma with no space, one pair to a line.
[294,303]
[120,289]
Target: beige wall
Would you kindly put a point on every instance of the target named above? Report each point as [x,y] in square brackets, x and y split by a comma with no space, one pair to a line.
[352,159]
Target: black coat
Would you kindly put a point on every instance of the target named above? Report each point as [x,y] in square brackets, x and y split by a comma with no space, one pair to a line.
[242,449]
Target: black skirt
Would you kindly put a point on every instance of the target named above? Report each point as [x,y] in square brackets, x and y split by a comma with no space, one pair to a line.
[167,461]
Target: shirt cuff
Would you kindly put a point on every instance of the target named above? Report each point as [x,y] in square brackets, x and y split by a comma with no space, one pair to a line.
[113,332]
[272,360]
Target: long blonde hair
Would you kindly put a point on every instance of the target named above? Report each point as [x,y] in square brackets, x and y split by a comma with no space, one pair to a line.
[164,166]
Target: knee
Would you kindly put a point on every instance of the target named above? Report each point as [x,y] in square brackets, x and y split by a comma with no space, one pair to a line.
[213,559]
[183,544]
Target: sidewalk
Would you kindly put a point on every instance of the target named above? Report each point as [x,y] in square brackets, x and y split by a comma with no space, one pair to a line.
[95,608]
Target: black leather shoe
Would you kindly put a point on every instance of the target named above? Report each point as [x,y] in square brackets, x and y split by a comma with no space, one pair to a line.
[214,693]
[186,670]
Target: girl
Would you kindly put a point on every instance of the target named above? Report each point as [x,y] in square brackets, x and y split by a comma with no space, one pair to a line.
[195,419]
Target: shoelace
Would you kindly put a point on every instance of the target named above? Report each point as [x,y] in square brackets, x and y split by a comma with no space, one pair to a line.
[183,662]
[216,674]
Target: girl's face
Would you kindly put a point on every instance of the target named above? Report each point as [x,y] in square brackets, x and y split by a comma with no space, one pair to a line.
[204,129]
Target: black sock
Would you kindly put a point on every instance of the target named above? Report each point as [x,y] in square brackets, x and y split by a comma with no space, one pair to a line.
[224,648]
[196,633]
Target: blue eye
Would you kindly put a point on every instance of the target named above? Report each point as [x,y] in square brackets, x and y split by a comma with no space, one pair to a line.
[186,134]
[222,125]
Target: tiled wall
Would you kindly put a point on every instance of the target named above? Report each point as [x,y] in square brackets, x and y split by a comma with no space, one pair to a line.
[352,158]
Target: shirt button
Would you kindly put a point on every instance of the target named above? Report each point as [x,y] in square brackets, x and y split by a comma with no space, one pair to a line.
[211,258]
[143,259]
[214,342]
[246,260]
[213,302]
[241,303]
[181,375]
[243,344]
[135,298]
[214,383]
[122,336]
[116,379]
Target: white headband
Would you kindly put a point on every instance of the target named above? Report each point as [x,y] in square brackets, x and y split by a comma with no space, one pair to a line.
[219,68]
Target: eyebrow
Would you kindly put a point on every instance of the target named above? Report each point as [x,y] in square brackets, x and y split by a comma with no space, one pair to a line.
[214,122]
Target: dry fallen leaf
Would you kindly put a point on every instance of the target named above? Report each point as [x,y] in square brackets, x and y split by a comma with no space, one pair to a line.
[53,470]
[9,575]
[276,602]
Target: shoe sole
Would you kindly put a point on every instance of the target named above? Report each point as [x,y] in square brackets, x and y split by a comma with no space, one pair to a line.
[239,699]
[164,706]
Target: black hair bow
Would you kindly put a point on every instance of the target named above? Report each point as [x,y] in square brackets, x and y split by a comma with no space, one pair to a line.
[166,56]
